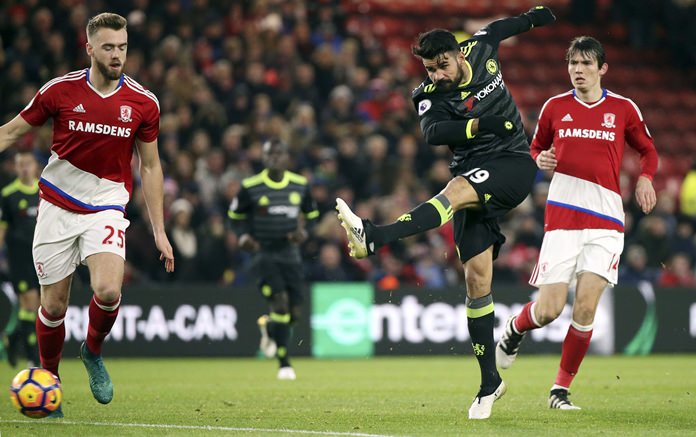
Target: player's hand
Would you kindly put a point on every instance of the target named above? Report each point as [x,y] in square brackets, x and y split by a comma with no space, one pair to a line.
[540,15]
[248,243]
[497,125]
[546,160]
[298,236]
[166,251]
[645,194]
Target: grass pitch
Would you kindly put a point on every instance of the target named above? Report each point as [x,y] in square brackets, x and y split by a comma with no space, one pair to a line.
[405,396]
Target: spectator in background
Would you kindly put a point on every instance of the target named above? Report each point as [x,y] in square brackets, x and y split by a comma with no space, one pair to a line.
[635,269]
[678,272]
[184,240]
[214,258]
[683,240]
[652,234]
[329,265]
[394,273]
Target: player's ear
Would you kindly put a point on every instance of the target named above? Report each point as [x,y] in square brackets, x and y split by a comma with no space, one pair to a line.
[603,69]
[89,49]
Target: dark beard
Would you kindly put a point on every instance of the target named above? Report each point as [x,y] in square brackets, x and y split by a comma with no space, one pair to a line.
[107,73]
[450,85]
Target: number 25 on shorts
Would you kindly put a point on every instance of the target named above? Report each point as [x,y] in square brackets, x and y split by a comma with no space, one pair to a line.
[114,236]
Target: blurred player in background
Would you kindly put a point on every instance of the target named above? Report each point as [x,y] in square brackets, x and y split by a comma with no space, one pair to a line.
[269,215]
[98,114]
[465,105]
[20,203]
[581,136]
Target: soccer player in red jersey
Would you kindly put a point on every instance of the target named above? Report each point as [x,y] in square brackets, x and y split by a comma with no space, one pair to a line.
[581,136]
[99,114]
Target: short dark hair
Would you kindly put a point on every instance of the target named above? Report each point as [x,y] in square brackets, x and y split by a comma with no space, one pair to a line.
[435,42]
[587,46]
[105,19]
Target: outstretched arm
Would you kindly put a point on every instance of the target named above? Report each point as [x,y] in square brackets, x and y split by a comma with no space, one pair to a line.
[12,131]
[507,27]
[152,186]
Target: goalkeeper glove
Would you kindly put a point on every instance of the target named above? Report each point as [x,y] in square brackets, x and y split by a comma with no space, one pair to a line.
[497,125]
[540,15]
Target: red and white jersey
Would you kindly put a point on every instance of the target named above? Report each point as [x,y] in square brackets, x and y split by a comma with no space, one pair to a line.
[93,137]
[589,140]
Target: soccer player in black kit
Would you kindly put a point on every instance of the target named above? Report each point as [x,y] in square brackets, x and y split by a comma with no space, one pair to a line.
[20,202]
[465,105]
[269,215]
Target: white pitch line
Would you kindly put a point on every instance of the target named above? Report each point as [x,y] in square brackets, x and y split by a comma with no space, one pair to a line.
[201,427]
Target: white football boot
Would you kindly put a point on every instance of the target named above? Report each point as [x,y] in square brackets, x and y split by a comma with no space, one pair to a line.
[267,345]
[482,406]
[355,231]
[286,374]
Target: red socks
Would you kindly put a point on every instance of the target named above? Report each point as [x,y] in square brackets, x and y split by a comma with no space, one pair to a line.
[525,320]
[50,332]
[575,347]
[102,316]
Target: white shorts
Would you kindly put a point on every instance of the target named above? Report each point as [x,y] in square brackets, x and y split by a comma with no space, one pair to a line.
[567,253]
[63,239]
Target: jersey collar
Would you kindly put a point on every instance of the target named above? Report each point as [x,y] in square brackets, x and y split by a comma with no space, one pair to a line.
[25,189]
[273,184]
[118,87]
[591,105]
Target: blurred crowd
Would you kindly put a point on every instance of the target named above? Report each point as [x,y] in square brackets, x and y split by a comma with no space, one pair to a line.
[230,75]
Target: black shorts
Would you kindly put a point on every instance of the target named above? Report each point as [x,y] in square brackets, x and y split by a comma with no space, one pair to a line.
[502,181]
[276,276]
[22,272]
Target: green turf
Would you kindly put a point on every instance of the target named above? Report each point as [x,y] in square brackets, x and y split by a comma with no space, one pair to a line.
[387,396]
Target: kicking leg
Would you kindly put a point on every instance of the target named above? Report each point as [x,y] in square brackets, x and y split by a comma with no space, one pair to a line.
[364,237]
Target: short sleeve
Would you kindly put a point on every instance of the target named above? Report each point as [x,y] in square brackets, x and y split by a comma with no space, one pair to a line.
[42,107]
[149,128]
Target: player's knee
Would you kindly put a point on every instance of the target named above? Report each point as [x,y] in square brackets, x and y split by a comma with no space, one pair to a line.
[279,303]
[546,314]
[477,284]
[54,307]
[107,292]
[583,312]
[460,194]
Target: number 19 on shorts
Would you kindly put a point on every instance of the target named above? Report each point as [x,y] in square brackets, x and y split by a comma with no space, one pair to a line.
[477,175]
